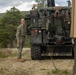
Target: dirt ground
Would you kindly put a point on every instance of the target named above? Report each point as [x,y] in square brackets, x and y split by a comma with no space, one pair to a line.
[9,66]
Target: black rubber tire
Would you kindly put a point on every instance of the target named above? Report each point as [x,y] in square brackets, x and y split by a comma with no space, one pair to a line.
[35,52]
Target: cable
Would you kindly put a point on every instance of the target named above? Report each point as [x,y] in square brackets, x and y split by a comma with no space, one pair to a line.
[58,73]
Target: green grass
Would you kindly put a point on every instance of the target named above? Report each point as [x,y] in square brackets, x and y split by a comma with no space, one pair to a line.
[27,42]
[61,72]
[1,71]
[2,55]
[12,55]
[5,55]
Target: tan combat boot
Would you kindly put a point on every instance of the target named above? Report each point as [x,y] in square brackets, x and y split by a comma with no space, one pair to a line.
[20,60]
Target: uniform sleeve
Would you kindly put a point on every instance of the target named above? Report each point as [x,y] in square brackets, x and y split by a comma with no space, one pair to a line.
[18,34]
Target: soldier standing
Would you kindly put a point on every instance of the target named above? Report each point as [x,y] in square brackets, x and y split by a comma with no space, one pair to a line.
[20,36]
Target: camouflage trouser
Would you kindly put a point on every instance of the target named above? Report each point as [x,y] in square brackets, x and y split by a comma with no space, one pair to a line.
[20,47]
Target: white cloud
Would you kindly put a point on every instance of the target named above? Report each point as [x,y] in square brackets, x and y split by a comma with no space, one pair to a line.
[4,10]
[26,6]
[21,2]
[56,4]
[23,7]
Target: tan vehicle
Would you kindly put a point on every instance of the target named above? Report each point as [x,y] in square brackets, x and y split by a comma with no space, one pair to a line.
[73,19]
[73,31]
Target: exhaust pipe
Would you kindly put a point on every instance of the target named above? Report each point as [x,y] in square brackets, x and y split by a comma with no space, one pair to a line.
[50,3]
[69,3]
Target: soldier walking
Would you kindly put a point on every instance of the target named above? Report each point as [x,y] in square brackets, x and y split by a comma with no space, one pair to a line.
[20,36]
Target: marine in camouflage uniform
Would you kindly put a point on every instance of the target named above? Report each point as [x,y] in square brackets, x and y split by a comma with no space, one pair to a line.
[20,36]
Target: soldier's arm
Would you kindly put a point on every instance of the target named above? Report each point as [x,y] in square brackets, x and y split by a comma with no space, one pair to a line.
[18,34]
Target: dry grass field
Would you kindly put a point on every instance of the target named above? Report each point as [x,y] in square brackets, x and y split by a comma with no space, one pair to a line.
[9,66]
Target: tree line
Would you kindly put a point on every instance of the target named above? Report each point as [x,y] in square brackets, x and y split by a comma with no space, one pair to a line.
[8,27]
[9,23]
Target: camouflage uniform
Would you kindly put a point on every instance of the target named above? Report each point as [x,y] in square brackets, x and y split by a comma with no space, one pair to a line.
[20,36]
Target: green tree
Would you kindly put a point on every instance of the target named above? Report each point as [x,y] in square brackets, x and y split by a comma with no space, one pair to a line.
[3,37]
[12,17]
[41,3]
[9,23]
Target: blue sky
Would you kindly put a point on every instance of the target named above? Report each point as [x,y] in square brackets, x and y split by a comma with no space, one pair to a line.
[23,5]
[61,2]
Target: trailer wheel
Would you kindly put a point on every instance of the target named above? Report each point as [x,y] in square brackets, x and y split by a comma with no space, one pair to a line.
[35,52]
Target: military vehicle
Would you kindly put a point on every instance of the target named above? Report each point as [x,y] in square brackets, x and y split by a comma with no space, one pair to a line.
[49,29]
